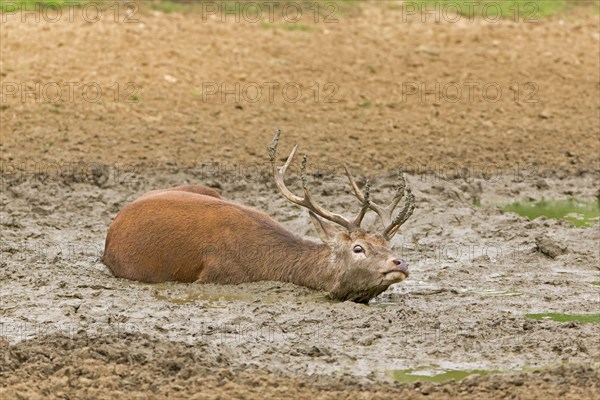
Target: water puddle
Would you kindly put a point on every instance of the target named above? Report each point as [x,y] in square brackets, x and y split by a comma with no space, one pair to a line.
[383,303]
[499,276]
[391,301]
[436,375]
[492,292]
[209,297]
[225,295]
[582,318]
[580,213]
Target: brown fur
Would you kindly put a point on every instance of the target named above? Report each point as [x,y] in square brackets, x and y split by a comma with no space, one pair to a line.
[189,234]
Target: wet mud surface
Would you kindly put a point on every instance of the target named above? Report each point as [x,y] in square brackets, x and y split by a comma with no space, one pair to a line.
[476,273]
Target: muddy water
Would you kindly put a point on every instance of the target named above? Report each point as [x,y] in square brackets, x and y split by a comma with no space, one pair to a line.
[436,375]
[476,275]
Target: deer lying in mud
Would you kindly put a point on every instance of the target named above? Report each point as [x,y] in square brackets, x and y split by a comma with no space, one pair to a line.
[191,234]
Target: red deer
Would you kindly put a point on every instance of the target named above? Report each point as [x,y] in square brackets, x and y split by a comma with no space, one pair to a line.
[191,234]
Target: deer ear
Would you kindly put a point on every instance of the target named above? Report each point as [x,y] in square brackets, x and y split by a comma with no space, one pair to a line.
[327,232]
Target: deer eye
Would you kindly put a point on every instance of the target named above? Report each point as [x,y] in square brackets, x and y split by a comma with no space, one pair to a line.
[358,249]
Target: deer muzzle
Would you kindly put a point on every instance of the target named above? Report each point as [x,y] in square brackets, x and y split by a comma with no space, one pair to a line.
[398,266]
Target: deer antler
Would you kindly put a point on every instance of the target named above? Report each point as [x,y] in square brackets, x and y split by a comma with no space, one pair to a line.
[307,201]
[390,225]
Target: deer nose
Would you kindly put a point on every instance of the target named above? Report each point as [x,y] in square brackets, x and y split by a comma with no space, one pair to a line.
[401,265]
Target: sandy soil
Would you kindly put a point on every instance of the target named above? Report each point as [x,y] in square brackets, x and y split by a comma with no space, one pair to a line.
[71,330]
[368,55]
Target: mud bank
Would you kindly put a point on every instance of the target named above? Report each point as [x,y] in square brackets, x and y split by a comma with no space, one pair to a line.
[476,272]
[139,366]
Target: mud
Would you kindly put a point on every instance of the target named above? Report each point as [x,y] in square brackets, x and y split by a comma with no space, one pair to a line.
[71,330]
[142,368]
[464,306]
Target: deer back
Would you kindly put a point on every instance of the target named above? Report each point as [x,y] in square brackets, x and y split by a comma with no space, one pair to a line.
[175,235]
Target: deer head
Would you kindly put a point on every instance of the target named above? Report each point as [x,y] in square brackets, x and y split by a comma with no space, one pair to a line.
[361,264]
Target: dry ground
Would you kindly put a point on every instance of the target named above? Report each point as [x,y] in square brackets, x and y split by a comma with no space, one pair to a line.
[368,55]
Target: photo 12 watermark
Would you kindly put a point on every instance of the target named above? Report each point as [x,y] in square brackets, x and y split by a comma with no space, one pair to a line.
[470,171]
[468,253]
[68,92]
[231,172]
[126,12]
[469,92]
[316,332]
[270,11]
[253,92]
[70,171]
[470,11]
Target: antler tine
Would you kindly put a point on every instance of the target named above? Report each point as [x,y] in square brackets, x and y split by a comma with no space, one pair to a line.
[365,204]
[399,190]
[390,225]
[306,201]
[384,214]
[357,191]
[273,145]
[402,217]
[280,173]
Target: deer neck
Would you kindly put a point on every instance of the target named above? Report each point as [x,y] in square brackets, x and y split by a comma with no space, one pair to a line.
[308,264]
